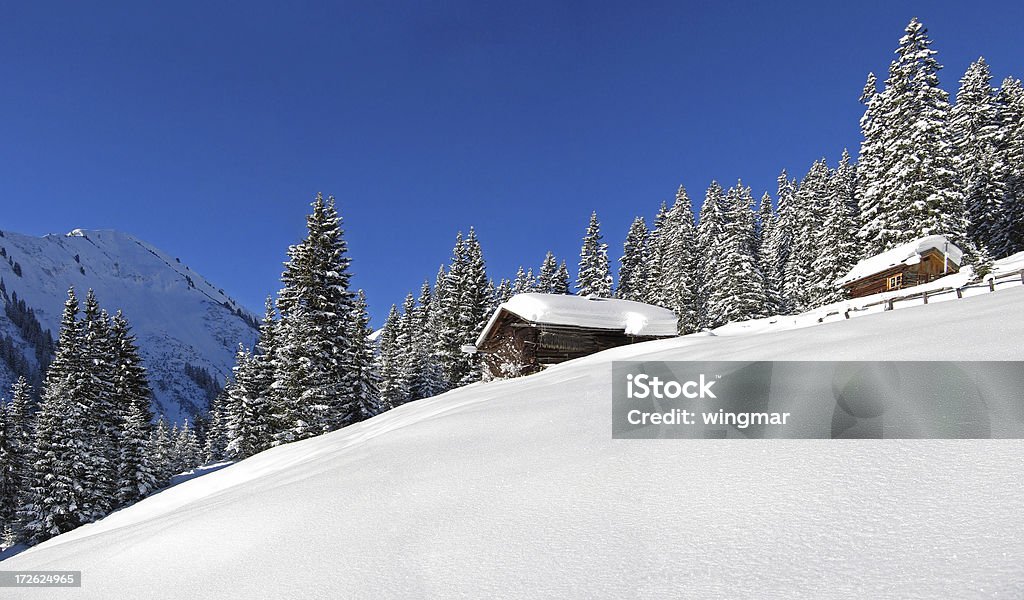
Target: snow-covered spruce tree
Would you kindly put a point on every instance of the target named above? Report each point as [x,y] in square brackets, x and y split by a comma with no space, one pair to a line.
[405,341]
[561,280]
[503,292]
[428,379]
[524,282]
[975,122]
[876,188]
[548,271]
[249,420]
[187,454]
[19,439]
[361,378]
[775,249]
[461,309]
[244,433]
[737,293]
[473,309]
[766,225]
[632,277]
[594,276]
[9,501]
[807,214]
[215,446]
[710,240]
[389,369]
[161,453]
[136,476]
[655,267]
[61,447]
[679,258]
[838,247]
[314,344]
[1011,154]
[104,415]
[908,178]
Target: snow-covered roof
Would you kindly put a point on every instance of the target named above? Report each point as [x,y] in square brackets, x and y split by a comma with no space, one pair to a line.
[906,254]
[634,318]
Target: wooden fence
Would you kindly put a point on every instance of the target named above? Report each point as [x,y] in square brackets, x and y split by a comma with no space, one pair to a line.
[888,304]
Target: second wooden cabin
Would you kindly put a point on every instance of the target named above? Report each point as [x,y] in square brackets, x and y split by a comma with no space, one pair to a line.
[531,331]
[920,261]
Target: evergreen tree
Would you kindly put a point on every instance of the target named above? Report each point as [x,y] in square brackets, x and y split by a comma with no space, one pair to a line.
[314,304]
[8,474]
[361,378]
[766,225]
[61,447]
[560,284]
[594,277]
[17,468]
[393,390]
[838,248]
[216,443]
[161,447]
[976,125]
[777,240]
[186,449]
[473,309]
[136,476]
[428,380]
[104,417]
[248,423]
[807,215]
[654,268]
[680,262]
[909,183]
[632,277]
[503,292]
[524,282]
[711,240]
[738,292]
[548,273]
[1011,154]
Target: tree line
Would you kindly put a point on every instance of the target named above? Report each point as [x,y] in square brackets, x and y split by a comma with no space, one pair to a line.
[88,445]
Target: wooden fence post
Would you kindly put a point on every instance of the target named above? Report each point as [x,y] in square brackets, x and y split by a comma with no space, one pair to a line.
[925,296]
[959,292]
[992,285]
[888,305]
[1022,276]
[847,313]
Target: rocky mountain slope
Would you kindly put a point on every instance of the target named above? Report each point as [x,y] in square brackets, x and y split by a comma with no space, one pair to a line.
[188,329]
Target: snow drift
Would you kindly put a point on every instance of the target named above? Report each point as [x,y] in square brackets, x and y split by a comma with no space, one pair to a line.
[516,489]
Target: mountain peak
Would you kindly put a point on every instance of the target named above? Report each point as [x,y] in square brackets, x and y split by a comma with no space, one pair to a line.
[188,329]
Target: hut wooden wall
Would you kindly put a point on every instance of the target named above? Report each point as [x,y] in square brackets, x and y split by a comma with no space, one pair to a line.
[930,268]
[528,347]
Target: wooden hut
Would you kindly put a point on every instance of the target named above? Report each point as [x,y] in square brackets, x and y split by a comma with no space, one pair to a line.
[920,261]
[531,331]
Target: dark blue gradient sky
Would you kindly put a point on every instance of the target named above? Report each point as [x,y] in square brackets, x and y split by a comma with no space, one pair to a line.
[206,128]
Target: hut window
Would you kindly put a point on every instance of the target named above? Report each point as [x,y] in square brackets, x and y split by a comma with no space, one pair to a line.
[896,281]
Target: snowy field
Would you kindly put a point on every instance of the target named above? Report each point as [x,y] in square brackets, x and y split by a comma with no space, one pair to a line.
[516,489]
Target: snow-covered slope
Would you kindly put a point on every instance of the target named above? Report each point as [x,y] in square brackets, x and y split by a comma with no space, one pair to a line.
[179,317]
[516,489]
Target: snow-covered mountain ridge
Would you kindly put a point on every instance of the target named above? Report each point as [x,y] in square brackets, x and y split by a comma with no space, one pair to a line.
[516,489]
[179,317]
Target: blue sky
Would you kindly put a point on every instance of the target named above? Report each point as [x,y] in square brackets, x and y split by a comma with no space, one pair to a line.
[206,128]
